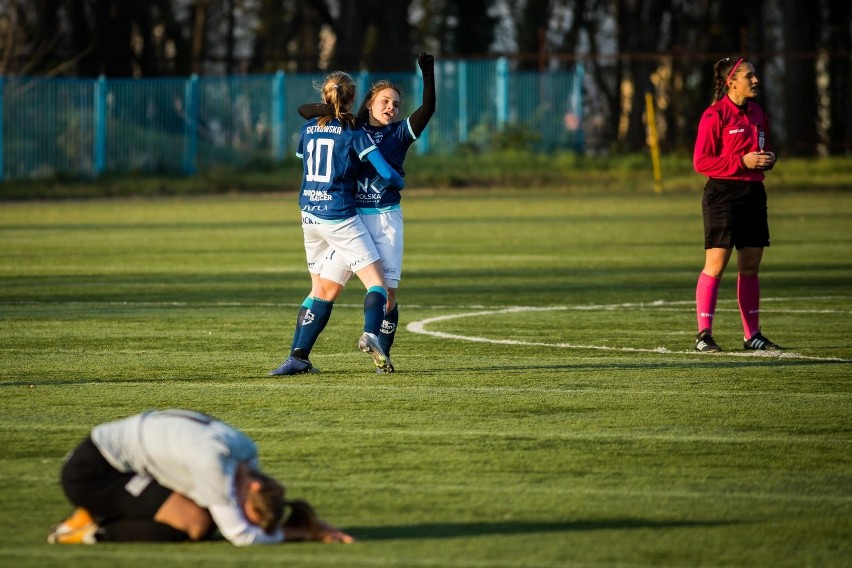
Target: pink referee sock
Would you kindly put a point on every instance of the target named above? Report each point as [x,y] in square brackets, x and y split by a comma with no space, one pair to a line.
[706,293]
[748,297]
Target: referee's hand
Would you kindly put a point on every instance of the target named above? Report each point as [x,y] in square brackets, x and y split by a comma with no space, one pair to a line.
[759,160]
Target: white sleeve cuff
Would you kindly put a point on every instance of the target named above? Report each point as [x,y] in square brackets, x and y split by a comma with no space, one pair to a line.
[235,527]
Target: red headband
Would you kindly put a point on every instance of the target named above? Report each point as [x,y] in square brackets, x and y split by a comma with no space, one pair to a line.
[733,69]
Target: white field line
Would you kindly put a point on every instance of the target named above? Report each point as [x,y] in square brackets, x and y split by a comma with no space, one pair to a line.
[656,304]
[419,327]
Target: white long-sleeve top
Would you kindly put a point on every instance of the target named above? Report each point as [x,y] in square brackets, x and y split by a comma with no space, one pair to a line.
[192,454]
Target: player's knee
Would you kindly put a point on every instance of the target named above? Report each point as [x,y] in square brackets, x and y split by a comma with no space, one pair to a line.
[198,528]
[328,290]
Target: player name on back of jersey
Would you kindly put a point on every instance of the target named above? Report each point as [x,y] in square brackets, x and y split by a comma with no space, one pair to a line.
[327,129]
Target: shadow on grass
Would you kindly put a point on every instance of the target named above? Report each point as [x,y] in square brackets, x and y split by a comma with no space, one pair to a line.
[453,530]
[710,363]
[619,366]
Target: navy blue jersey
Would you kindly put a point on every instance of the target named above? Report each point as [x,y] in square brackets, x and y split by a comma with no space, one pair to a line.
[393,140]
[331,156]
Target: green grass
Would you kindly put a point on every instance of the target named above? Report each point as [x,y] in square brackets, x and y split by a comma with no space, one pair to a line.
[576,429]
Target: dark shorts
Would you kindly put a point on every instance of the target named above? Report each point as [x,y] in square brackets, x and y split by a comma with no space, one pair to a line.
[734,214]
[90,481]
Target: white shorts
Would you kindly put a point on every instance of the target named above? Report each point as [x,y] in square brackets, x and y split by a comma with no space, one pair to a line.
[348,241]
[386,232]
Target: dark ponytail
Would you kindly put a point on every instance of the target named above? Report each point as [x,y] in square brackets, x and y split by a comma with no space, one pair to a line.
[302,516]
[722,70]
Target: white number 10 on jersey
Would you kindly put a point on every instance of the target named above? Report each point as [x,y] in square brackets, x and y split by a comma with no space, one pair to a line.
[319,154]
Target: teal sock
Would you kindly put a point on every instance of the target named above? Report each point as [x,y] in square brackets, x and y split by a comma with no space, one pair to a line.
[306,305]
[388,331]
[313,323]
[374,309]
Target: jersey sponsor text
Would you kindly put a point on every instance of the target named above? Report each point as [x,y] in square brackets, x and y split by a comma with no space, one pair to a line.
[317,195]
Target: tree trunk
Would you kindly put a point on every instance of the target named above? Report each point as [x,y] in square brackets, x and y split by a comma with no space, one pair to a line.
[374,35]
[82,42]
[199,30]
[352,30]
[531,34]
[229,40]
[475,29]
[800,96]
[643,19]
[839,75]
[607,80]
[390,43]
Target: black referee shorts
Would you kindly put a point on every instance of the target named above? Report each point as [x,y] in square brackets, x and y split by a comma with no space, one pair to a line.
[89,481]
[734,214]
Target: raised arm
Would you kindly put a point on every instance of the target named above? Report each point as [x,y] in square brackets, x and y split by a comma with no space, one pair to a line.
[420,117]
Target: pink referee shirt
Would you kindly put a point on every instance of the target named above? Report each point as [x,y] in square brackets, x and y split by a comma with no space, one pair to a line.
[726,133]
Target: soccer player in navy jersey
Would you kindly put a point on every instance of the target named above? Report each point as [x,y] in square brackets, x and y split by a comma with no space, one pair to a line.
[176,475]
[332,148]
[731,150]
[379,202]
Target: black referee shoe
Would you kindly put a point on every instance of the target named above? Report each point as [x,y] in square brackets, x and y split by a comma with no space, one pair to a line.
[760,343]
[704,342]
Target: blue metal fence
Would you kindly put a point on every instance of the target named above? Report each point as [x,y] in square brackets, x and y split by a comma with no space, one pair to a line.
[85,128]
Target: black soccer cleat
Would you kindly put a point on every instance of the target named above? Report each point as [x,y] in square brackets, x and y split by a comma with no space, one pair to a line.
[760,343]
[704,343]
[293,366]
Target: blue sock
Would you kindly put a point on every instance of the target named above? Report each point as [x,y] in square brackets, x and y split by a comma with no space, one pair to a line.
[374,309]
[388,331]
[312,325]
[306,305]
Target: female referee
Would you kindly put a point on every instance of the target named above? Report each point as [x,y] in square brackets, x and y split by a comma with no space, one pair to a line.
[730,150]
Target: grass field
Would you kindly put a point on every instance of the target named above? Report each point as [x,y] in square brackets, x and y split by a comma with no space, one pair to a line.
[547,410]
